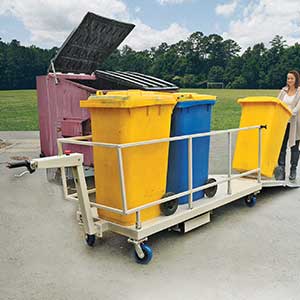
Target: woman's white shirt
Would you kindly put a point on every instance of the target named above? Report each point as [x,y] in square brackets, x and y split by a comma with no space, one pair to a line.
[288,100]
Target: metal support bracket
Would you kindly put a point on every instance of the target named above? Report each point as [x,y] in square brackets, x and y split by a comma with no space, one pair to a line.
[137,242]
[54,72]
[84,202]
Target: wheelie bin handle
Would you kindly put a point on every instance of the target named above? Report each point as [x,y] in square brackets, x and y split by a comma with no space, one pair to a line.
[24,163]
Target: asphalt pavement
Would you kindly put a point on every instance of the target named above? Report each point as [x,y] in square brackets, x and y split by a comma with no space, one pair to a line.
[243,253]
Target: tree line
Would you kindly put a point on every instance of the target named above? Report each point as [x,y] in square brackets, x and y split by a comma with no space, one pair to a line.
[189,63]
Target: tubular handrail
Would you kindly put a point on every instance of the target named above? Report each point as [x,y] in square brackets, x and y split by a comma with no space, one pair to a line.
[124,211]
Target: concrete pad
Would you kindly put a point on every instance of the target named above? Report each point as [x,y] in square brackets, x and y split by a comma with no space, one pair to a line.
[23,135]
[242,254]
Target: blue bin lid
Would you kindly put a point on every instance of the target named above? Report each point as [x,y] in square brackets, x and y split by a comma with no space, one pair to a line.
[185,104]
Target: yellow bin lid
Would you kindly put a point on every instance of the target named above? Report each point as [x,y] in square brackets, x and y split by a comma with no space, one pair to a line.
[264,99]
[180,97]
[127,99]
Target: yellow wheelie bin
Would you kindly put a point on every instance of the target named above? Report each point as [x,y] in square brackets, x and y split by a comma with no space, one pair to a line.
[124,117]
[268,111]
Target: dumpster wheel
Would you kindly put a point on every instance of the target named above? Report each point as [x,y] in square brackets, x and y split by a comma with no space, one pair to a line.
[210,192]
[168,208]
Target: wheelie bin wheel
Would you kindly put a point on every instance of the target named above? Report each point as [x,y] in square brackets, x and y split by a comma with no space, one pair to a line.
[210,192]
[147,251]
[90,239]
[250,201]
[169,208]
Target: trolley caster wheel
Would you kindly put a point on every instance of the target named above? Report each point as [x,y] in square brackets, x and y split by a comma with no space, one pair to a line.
[90,239]
[143,254]
[210,192]
[181,228]
[250,201]
[169,208]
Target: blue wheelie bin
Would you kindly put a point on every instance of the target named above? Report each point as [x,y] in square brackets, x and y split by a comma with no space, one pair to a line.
[192,114]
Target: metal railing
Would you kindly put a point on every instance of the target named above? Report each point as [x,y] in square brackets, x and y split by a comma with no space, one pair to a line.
[83,140]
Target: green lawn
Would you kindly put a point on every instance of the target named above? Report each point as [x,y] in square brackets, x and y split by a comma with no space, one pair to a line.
[18,109]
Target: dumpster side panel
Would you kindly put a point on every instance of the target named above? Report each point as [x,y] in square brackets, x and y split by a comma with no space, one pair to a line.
[67,107]
[44,115]
[58,102]
[145,167]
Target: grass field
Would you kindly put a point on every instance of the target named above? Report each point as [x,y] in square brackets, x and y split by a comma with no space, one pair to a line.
[18,109]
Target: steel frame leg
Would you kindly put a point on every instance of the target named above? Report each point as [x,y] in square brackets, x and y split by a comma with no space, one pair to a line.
[83,200]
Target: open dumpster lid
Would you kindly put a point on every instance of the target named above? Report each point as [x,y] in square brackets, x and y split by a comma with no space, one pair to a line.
[134,80]
[90,44]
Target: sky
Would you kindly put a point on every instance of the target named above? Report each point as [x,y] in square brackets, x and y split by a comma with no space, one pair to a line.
[47,23]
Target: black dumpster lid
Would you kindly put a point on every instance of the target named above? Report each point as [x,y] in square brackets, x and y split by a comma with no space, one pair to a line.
[136,80]
[90,44]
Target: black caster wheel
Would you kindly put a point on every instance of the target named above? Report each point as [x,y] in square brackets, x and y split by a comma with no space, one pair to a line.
[181,228]
[147,255]
[250,201]
[210,192]
[169,208]
[90,239]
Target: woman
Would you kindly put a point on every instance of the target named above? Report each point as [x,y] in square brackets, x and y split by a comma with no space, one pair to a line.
[290,95]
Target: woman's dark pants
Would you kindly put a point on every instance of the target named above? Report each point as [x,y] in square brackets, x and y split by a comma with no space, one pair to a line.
[294,151]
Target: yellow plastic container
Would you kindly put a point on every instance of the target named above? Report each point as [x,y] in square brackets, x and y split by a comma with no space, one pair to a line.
[124,117]
[268,111]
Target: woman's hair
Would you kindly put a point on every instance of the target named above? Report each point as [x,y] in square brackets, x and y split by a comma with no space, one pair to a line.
[297,77]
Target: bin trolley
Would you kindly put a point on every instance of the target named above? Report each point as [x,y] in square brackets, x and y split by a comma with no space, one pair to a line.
[187,217]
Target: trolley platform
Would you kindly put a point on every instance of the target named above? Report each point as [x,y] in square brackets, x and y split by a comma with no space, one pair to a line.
[284,183]
[272,182]
[198,215]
